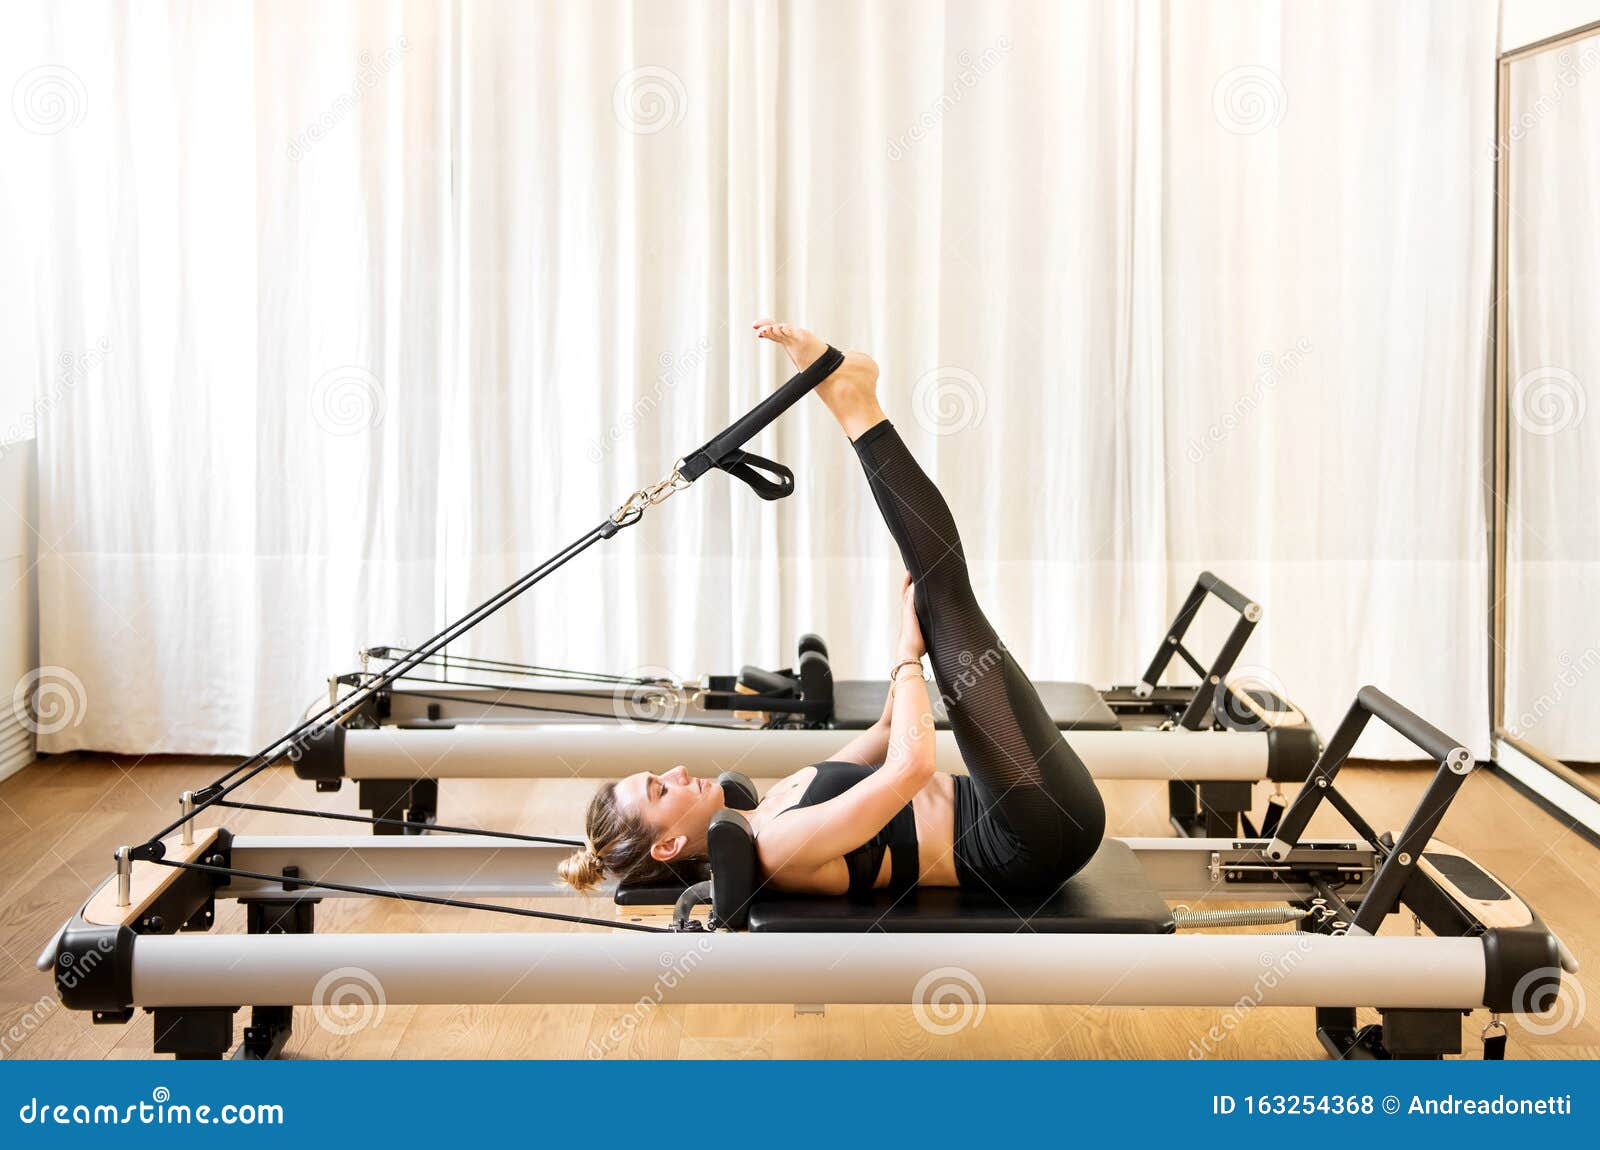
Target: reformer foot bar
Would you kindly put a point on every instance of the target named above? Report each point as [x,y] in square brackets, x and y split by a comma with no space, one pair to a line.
[413,733]
[452,689]
[1106,938]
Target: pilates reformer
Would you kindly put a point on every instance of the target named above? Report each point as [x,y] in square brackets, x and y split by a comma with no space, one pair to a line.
[1106,937]
[409,735]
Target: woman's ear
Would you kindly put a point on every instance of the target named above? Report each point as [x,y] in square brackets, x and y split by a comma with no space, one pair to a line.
[665,850]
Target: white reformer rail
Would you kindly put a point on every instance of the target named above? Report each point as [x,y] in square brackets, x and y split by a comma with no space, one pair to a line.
[574,750]
[1089,970]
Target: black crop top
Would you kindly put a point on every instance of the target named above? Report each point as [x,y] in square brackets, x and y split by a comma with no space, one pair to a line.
[898,837]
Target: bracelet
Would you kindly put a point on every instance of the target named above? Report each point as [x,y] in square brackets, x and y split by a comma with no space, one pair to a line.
[894,672]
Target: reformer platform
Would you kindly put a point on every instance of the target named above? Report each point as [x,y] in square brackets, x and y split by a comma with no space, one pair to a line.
[1106,938]
[447,691]
[414,732]
[1487,948]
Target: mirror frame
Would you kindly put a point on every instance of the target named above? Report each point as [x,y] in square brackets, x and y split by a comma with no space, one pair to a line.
[1539,775]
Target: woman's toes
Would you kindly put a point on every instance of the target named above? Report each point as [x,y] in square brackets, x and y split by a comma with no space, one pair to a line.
[803,347]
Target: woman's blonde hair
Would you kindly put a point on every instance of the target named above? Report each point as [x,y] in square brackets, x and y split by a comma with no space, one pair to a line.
[619,844]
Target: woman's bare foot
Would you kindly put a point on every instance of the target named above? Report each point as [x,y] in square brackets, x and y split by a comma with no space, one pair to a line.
[850,392]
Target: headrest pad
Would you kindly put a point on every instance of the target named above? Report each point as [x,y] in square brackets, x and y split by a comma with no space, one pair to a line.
[731,849]
[738,792]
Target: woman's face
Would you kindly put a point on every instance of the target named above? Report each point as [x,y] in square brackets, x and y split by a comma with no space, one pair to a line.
[674,804]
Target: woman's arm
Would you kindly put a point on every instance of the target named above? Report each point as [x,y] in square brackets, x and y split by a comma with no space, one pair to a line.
[810,837]
[872,744]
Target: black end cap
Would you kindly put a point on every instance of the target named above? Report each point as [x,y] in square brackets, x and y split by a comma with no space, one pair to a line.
[94,967]
[1291,753]
[321,754]
[1521,970]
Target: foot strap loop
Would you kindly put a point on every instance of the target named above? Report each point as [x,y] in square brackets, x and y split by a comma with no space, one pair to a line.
[723,452]
[747,467]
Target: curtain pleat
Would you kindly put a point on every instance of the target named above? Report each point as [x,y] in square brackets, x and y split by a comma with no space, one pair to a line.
[398,298]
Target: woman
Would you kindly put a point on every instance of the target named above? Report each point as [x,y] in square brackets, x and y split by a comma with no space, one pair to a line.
[878,816]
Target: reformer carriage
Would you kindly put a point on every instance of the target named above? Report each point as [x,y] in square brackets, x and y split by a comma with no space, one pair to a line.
[1107,937]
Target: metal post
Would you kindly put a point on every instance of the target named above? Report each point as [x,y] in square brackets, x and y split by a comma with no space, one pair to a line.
[124,876]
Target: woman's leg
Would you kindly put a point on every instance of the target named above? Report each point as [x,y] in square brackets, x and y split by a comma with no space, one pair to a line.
[1018,760]
[1020,765]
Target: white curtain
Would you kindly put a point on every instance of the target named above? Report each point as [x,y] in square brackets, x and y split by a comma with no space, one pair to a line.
[399,298]
[1553,536]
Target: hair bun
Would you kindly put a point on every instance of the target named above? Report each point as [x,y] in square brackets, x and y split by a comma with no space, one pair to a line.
[582,870]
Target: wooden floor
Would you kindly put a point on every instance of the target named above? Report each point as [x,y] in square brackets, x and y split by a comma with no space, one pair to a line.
[61,818]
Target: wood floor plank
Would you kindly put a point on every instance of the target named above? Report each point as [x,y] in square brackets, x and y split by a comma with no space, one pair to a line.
[60,820]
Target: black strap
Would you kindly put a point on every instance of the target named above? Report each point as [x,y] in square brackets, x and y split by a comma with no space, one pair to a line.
[723,450]
[747,467]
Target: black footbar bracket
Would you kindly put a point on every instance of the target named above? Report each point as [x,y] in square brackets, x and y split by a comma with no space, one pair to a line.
[768,479]
[1198,712]
[1523,959]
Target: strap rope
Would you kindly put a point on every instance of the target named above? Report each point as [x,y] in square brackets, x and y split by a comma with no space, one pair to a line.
[153,849]
[549,709]
[528,670]
[409,896]
[722,452]
[381,821]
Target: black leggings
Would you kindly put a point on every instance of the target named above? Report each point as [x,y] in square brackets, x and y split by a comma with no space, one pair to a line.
[1029,815]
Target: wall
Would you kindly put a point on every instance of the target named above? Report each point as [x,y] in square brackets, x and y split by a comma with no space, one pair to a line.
[1526,21]
[19,604]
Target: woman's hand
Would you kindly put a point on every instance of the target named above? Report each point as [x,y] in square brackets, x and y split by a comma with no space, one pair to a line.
[911,644]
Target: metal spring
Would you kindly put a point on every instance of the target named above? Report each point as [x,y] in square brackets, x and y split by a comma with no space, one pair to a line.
[1243,916]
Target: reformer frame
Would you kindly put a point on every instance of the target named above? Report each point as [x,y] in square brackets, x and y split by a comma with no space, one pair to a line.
[120,953]
[415,732]
[1488,949]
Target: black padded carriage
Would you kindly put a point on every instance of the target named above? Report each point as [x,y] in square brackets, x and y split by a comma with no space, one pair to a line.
[858,703]
[1110,895]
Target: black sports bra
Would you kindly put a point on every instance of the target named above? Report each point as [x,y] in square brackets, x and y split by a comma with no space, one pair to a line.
[898,837]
